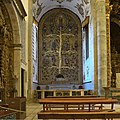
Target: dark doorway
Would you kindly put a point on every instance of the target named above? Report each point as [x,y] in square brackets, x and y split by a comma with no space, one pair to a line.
[115,51]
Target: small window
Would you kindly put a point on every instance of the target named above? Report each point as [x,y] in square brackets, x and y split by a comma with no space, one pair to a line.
[86,30]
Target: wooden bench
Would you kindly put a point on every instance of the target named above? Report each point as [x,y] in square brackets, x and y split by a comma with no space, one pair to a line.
[68,103]
[78,107]
[69,113]
[78,115]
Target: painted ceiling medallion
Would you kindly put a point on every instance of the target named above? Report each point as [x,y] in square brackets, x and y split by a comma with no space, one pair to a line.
[60,1]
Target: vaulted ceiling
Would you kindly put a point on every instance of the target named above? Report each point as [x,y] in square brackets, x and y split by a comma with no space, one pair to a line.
[79,7]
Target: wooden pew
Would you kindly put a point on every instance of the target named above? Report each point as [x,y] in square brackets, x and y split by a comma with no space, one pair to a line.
[78,97]
[68,113]
[77,107]
[68,103]
[77,115]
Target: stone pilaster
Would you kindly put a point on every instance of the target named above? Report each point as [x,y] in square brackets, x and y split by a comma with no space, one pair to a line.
[101,45]
[17,68]
[93,20]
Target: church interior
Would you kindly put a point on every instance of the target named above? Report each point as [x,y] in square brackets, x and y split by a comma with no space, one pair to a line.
[58,48]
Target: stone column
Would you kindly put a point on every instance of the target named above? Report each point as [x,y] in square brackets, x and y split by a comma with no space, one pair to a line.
[30,61]
[101,45]
[108,9]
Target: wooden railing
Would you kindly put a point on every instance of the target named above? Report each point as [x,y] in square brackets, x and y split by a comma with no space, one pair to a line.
[45,93]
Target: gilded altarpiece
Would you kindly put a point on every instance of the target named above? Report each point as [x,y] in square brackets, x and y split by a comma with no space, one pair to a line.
[6,53]
[59,49]
[115,41]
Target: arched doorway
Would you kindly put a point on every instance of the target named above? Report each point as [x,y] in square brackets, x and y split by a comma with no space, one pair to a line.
[60,48]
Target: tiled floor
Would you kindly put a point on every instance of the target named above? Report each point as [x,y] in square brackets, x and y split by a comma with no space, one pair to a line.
[31,111]
[34,108]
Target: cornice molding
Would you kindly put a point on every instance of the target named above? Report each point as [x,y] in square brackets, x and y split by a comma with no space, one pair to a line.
[16,45]
[20,7]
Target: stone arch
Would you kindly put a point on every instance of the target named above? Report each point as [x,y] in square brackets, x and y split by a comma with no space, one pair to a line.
[9,39]
[13,20]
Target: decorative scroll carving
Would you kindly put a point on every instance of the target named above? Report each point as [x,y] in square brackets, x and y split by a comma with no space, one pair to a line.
[40,7]
[80,8]
[60,1]
[37,8]
[86,1]
[115,8]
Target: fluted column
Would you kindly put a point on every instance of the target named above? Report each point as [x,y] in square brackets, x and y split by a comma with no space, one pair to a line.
[101,45]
